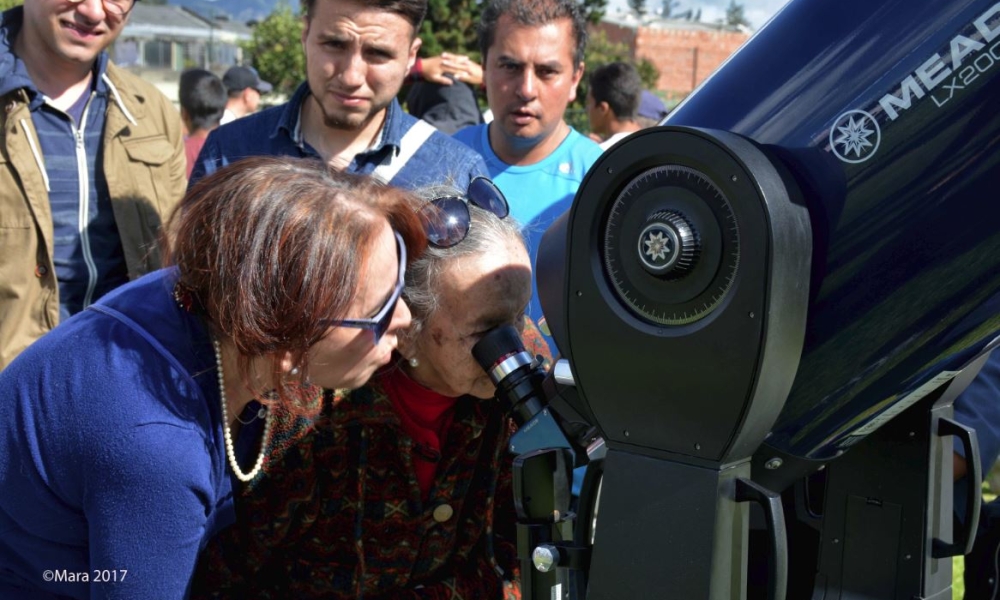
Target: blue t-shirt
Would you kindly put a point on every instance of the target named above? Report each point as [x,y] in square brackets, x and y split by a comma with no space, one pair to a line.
[537,193]
[111,451]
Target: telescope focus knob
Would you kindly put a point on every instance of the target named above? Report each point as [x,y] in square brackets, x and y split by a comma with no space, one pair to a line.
[668,245]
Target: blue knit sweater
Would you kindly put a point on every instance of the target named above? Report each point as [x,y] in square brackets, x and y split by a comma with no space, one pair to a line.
[112,461]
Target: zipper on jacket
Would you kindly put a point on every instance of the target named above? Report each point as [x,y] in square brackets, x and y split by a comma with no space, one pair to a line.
[83,175]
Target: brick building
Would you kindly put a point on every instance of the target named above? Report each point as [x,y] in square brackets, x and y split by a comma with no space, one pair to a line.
[685,52]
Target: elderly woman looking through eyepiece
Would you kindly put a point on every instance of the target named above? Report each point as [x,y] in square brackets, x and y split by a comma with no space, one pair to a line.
[124,426]
[402,489]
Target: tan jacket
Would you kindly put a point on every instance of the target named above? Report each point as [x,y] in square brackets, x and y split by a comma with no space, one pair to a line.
[144,165]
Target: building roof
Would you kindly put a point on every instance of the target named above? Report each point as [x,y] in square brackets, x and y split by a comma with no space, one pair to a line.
[224,22]
[632,20]
[149,21]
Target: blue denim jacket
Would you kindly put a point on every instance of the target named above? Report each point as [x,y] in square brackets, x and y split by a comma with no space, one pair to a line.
[436,160]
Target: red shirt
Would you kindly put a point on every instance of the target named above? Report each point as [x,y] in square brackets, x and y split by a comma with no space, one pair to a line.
[425,415]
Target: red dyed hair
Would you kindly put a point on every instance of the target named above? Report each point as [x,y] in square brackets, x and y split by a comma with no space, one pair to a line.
[272,246]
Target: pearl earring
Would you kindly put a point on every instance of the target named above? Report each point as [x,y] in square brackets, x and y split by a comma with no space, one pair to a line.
[294,372]
[414,362]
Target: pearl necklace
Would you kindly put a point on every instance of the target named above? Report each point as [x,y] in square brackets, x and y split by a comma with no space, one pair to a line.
[227,434]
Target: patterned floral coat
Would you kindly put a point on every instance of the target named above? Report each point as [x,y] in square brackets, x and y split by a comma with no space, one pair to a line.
[338,512]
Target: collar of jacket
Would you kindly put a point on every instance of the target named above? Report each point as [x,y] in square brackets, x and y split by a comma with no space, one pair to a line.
[369,405]
[10,26]
[391,134]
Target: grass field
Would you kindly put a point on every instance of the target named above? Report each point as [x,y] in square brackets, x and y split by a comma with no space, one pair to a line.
[957,565]
[957,584]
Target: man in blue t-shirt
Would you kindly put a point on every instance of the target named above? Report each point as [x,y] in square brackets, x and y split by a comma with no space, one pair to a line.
[532,64]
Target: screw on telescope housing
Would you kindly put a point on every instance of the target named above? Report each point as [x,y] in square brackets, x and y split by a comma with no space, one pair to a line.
[545,557]
[668,245]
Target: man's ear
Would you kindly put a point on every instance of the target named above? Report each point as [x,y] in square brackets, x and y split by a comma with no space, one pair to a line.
[412,58]
[305,30]
[577,76]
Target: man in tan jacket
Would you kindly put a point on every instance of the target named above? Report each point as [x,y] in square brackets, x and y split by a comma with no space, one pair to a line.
[91,164]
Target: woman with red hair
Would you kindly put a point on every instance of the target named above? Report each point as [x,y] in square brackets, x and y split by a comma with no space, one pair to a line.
[126,425]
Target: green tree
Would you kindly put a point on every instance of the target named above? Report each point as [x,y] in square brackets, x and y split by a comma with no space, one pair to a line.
[595,9]
[275,49]
[450,26]
[735,16]
[667,8]
[639,6]
[5,4]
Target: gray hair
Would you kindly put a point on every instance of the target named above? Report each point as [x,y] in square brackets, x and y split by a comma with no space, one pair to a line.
[487,233]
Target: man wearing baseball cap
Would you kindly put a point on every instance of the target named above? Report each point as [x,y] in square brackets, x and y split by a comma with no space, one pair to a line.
[245,88]
[651,110]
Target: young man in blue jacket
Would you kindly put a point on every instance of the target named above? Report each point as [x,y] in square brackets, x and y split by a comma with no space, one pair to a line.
[346,113]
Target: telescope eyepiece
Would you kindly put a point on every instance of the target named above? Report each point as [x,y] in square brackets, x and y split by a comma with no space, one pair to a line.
[512,369]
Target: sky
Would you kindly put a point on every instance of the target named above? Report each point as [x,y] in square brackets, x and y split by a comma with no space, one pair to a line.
[756,11]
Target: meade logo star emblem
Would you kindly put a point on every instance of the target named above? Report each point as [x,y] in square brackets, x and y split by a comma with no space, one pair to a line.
[855,136]
[657,246]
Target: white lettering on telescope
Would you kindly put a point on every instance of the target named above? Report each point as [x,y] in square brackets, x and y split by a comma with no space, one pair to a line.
[937,69]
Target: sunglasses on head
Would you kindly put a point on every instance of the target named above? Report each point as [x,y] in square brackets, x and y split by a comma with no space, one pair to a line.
[379,324]
[447,219]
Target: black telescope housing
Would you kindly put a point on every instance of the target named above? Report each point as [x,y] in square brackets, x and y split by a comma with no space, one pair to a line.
[765,307]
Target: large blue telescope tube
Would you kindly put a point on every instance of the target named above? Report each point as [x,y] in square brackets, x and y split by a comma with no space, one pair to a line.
[888,116]
[806,248]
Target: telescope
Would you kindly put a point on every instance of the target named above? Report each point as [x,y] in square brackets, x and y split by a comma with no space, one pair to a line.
[764,309]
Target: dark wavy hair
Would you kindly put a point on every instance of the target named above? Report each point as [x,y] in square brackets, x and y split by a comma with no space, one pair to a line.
[413,11]
[533,13]
[203,97]
[619,85]
[269,247]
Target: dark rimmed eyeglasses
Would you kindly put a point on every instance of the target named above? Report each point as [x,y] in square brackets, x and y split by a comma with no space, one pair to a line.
[379,324]
[447,219]
[119,8]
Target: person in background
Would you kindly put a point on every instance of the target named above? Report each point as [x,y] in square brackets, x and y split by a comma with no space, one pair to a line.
[447,107]
[446,68]
[124,458]
[93,162]
[346,113]
[402,488]
[652,110]
[532,63]
[244,87]
[613,102]
[203,99]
